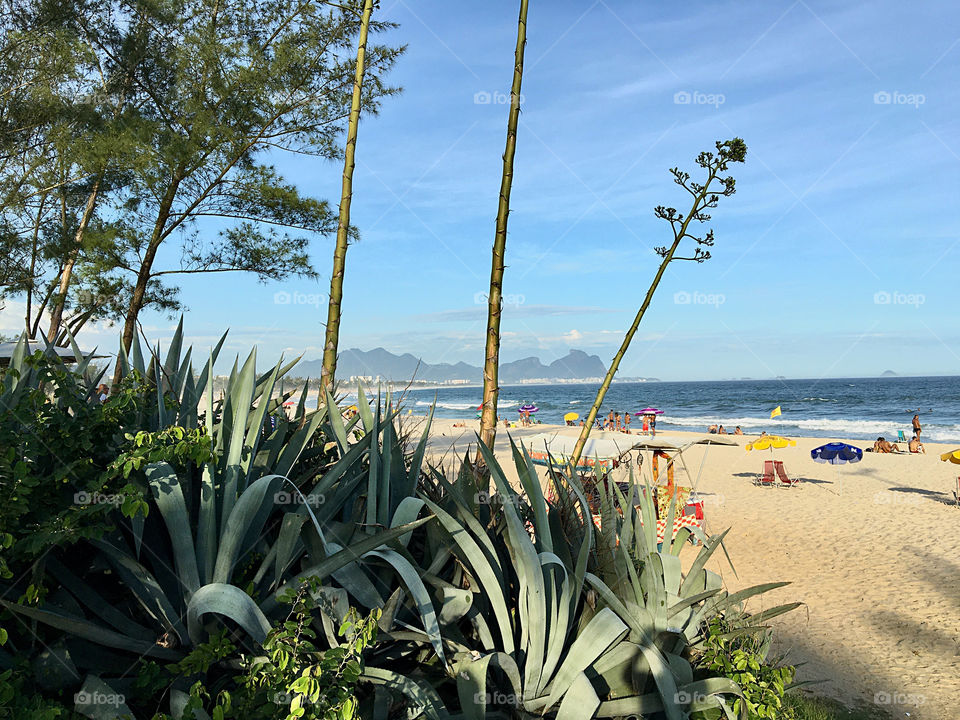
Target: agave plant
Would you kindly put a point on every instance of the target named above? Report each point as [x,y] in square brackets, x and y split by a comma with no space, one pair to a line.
[151,588]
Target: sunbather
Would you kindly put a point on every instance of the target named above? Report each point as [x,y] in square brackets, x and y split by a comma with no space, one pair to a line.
[883,446]
[915,446]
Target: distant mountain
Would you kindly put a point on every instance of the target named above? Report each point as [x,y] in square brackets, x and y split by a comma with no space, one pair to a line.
[888,373]
[575,366]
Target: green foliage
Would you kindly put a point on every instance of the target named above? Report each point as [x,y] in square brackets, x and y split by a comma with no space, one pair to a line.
[182,448]
[56,441]
[742,657]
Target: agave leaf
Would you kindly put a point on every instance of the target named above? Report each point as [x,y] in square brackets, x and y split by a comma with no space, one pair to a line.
[488,575]
[363,410]
[531,486]
[93,632]
[229,601]
[239,400]
[769,614]
[100,607]
[603,631]
[341,558]
[701,561]
[418,454]
[472,681]
[336,422]
[207,521]
[532,606]
[287,540]
[168,495]
[373,477]
[407,511]
[635,706]
[298,441]
[580,701]
[419,694]
[734,599]
[244,521]
[414,585]
[144,587]
[99,701]
[255,424]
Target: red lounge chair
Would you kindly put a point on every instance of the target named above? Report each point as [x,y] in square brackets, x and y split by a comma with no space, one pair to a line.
[782,478]
[767,479]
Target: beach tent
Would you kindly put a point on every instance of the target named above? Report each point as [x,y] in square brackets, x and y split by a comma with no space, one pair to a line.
[605,451]
[66,354]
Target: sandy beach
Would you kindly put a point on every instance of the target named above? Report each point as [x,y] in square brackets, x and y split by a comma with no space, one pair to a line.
[871,549]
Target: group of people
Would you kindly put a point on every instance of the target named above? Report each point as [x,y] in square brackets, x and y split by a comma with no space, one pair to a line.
[720,430]
[620,422]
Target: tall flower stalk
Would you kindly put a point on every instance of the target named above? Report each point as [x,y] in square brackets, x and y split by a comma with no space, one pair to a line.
[730,151]
[332,335]
[491,364]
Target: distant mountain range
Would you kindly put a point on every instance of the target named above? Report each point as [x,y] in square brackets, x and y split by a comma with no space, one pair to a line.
[577,365]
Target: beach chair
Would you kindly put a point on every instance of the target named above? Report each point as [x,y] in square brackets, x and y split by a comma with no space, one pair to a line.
[767,479]
[900,436]
[782,478]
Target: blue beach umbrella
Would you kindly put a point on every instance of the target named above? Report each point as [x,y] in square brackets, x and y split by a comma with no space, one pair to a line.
[837,453]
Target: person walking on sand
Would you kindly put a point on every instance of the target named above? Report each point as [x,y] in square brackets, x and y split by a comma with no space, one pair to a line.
[916,425]
[610,421]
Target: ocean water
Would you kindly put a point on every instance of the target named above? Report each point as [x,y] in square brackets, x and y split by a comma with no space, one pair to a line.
[854,408]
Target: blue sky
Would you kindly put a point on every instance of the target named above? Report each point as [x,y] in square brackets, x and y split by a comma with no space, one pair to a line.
[836,257]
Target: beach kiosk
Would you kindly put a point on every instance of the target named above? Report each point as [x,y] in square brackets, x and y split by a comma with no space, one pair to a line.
[603,455]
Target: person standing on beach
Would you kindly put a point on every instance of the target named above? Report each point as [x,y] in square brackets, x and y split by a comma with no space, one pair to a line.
[653,425]
[610,421]
[617,417]
[626,423]
[916,425]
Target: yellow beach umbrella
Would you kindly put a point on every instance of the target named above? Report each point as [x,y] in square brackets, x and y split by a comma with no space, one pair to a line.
[770,441]
[953,457]
[571,416]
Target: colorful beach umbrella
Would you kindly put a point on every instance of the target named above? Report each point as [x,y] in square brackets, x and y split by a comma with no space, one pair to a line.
[951,457]
[650,411]
[771,442]
[528,408]
[570,417]
[837,453]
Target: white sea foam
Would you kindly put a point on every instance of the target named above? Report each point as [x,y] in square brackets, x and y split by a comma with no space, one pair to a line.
[837,427]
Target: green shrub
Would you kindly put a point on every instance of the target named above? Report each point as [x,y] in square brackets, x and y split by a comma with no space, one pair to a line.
[740,654]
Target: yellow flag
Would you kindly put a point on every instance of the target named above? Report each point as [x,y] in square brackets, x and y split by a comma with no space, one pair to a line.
[775,412]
